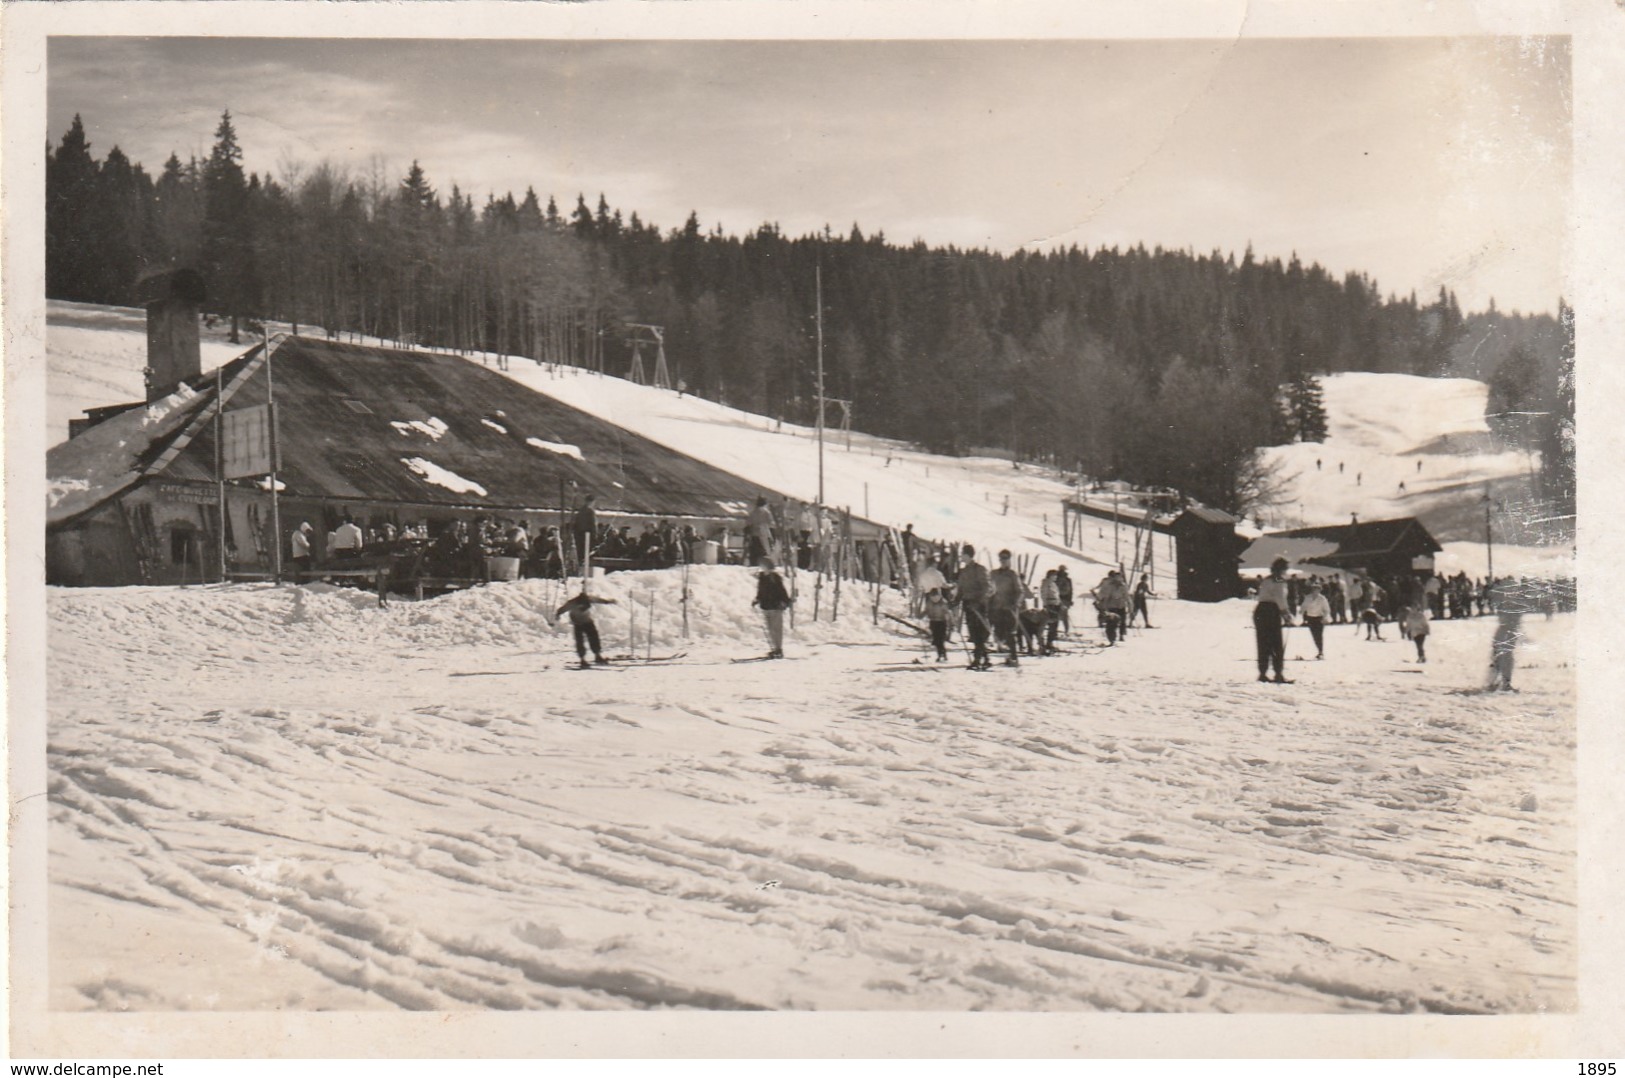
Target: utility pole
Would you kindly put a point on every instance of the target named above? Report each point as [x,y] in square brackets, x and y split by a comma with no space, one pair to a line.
[818,288]
[1117,551]
[276,511]
[1489,545]
[219,466]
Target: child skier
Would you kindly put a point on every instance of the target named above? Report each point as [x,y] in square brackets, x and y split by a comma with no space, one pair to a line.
[586,630]
[936,613]
[773,599]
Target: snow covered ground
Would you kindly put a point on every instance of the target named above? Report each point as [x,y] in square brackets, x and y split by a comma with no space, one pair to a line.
[421,807]
[1143,827]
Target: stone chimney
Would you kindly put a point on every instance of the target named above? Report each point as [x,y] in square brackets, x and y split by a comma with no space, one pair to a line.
[174,354]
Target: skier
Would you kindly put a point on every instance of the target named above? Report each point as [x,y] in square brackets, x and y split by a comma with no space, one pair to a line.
[773,600]
[1005,601]
[1268,618]
[1063,582]
[1416,627]
[1316,609]
[1049,593]
[1142,591]
[586,630]
[974,588]
[927,578]
[1112,599]
[936,614]
[1508,630]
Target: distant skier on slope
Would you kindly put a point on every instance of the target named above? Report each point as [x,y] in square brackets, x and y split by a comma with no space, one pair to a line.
[773,599]
[586,630]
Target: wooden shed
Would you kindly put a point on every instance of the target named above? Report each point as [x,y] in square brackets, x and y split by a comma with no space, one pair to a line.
[1207,550]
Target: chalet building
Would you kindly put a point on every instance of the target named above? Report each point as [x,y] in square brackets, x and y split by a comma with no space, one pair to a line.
[1381,549]
[376,434]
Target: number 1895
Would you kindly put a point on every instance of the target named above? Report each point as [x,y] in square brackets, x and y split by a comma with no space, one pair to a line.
[1590,1070]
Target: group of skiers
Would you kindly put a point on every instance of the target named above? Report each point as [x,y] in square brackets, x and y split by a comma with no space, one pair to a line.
[998,606]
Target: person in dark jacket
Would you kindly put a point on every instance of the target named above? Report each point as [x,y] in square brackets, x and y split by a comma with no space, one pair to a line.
[1063,582]
[773,600]
[586,630]
[584,526]
[1004,604]
[974,589]
[1142,592]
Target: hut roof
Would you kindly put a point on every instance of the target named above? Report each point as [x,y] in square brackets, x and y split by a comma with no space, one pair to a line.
[84,472]
[386,425]
[1371,538]
[1210,516]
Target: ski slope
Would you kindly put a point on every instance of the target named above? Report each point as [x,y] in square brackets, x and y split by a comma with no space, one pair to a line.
[289,799]
[1136,828]
[1379,427]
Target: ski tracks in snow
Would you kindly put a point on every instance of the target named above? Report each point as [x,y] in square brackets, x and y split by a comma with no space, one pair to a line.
[815,835]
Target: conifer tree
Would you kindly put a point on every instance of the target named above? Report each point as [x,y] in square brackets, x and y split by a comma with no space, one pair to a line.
[226,240]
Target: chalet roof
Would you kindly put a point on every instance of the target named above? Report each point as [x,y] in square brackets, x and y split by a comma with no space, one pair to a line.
[1209,516]
[84,472]
[1372,538]
[386,425]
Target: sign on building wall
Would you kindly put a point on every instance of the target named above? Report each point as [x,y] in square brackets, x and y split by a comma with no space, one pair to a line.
[245,439]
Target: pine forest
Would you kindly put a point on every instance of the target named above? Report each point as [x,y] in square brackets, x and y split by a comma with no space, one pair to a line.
[1161,367]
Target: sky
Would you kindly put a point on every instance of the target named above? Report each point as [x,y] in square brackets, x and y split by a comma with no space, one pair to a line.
[1419,161]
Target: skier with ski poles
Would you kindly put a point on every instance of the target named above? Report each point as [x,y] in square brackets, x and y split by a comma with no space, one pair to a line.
[974,590]
[1004,604]
[773,600]
[1142,592]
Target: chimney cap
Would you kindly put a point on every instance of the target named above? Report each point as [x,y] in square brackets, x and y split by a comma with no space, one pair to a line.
[160,286]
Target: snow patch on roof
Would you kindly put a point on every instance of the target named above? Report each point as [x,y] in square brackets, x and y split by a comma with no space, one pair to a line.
[433,427]
[430,472]
[158,411]
[57,489]
[498,427]
[265,484]
[555,447]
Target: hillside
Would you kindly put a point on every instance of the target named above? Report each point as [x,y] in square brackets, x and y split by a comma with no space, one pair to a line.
[1380,426]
